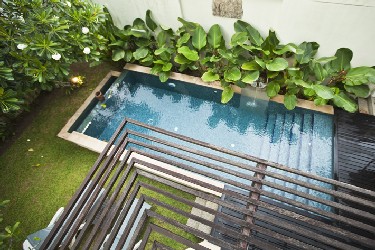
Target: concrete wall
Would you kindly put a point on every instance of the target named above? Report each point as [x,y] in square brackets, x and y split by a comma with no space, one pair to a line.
[332,23]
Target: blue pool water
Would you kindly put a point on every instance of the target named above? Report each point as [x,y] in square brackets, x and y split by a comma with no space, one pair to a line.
[299,139]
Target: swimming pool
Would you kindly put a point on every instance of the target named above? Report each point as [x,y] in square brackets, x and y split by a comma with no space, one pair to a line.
[301,138]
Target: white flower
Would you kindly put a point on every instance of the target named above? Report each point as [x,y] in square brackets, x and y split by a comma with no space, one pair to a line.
[69,4]
[56,56]
[1,10]
[87,50]
[75,80]
[85,30]
[21,46]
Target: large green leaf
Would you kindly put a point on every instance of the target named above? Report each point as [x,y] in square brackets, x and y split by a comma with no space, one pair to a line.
[188,26]
[251,77]
[156,69]
[214,36]
[325,59]
[302,83]
[9,101]
[290,101]
[163,76]
[232,75]
[309,50]
[282,49]
[164,37]
[240,26]
[139,29]
[295,72]
[320,72]
[320,101]
[128,55]
[251,48]
[147,61]
[360,91]
[238,38]
[323,91]
[277,64]
[140,53]
[260,62]
[183,39]
[199,38]
[227,54]
[160,50]
[342,61]
[166,56]
[118,54]
[227,94]
[142,42]
[6,73]
[252,65]
[271,42]
[359,76]
[342,100]
[210,76]
[273,88]
[309,92]
[272,74]
[192,55]
[254,35]
[167,67]
[150,22]
[359,71]
[180,59]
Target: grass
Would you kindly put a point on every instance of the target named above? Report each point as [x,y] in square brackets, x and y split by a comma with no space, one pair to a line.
[40,171]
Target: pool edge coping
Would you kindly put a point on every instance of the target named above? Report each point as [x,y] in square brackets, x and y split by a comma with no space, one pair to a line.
[64,132]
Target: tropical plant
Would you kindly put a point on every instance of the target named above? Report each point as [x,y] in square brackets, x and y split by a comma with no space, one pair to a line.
[291,70]
[330,79]
[39,40]
[9,101]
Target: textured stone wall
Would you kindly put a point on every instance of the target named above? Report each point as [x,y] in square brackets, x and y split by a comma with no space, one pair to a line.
[227,8]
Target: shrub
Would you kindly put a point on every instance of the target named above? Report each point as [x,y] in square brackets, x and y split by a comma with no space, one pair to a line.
[39,41]
[292,70]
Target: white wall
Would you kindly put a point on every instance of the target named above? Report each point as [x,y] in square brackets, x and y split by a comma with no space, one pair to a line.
[332,23]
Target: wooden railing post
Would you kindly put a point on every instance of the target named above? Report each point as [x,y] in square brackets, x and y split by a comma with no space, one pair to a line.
[254,196]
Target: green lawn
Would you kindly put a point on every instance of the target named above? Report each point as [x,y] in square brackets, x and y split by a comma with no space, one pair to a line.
[40,171]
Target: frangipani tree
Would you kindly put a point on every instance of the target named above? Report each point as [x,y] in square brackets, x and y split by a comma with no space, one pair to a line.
[40,39]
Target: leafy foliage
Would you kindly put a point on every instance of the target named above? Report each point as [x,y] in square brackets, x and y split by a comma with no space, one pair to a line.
[288,69]
[39,40]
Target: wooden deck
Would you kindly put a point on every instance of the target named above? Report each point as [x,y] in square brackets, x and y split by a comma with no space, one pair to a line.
[355,149]
[266,220]
[355,158]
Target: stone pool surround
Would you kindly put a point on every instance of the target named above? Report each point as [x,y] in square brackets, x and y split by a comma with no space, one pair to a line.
[98,146]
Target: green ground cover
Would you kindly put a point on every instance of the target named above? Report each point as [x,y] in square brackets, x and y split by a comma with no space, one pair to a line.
[40,171]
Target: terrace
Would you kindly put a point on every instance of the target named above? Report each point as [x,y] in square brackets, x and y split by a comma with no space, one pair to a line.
[261,146]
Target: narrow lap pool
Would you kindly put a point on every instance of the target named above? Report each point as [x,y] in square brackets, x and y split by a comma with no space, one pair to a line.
[300,138]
